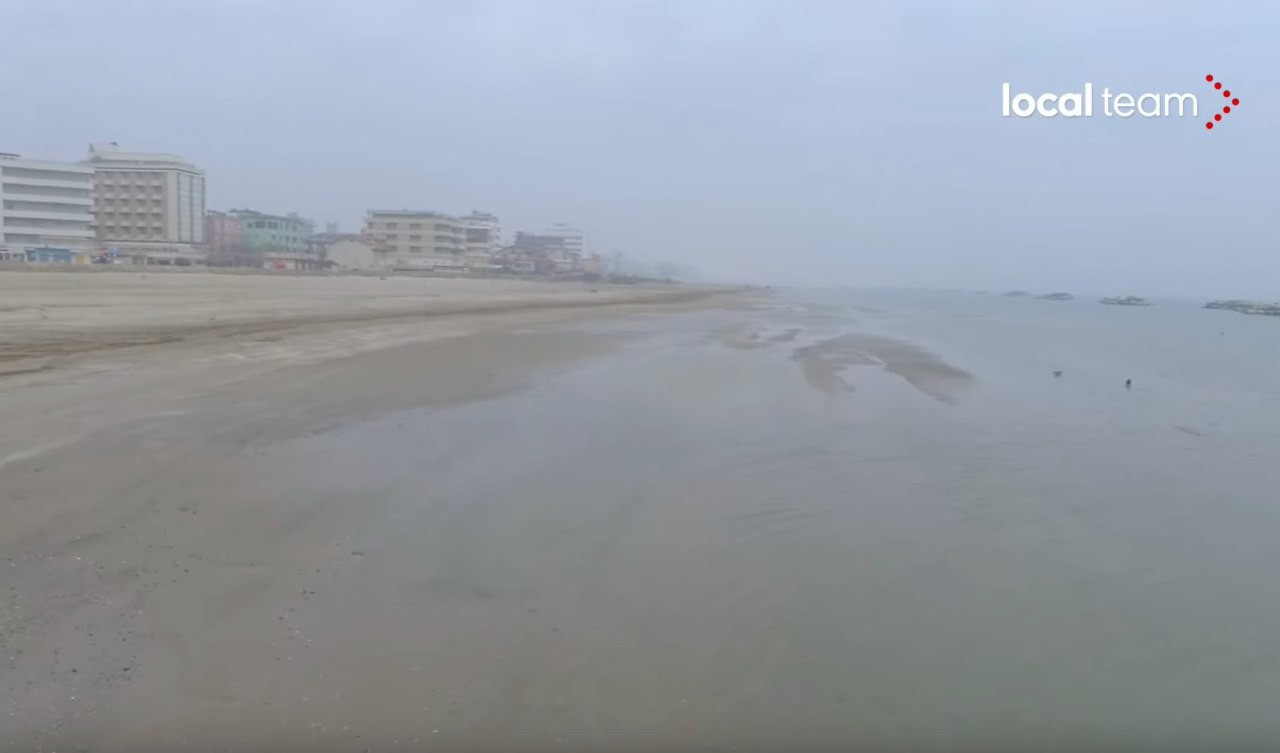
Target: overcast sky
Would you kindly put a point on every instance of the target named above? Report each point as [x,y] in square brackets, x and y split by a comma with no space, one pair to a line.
[839,143]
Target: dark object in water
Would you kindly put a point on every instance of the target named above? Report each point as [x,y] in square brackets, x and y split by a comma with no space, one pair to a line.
[1127,300]
[1058,373]
[1128,383]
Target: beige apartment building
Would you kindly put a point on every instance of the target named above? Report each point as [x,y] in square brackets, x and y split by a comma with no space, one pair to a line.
[149,208]
[484,238]
[418,239]
[574,241]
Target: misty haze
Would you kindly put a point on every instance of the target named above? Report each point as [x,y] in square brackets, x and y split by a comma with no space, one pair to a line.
[706,375]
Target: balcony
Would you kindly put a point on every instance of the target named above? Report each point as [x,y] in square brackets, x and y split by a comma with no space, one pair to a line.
[15,193]
[51,232]
[14,183]
[35,218]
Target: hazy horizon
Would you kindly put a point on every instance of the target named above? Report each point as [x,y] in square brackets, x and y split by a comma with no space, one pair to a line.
[788,143]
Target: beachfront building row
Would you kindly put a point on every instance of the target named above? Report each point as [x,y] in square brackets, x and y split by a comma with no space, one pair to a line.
[559,250]
[149,208]
[249,238]
[136,207]
[421,240]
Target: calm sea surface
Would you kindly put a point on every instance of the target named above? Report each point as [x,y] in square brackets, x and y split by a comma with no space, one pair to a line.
[694,539]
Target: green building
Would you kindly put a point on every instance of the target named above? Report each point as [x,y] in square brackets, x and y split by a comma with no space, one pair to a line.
[273,234]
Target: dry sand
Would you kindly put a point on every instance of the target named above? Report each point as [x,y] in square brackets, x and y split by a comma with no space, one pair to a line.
[45,314]
[143,532]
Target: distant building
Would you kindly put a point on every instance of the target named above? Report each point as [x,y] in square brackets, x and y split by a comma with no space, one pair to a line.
[418,239]
[225,242]
[357,254]
[264,233]
[46,210]
[574,240]
[551,254]
[149,208]
[483,238]
[246,238]
[318,243]
[291,260]
[516,259]
[539,244]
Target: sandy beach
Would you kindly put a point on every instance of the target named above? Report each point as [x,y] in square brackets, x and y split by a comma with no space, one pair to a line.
[51,314]
[130,528]
[419,514]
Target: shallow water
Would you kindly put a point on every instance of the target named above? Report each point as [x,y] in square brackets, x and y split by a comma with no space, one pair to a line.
[693,540]
[842,519]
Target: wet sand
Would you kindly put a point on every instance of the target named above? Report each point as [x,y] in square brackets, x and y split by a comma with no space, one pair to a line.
[719,524]
[157,531]
[825,362]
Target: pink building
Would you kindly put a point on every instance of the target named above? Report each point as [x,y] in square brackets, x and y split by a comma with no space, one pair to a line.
[226,245]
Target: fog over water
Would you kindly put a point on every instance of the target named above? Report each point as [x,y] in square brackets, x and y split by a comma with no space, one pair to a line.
[803,143]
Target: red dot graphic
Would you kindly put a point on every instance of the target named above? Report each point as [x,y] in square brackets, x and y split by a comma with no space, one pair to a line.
[1226,108]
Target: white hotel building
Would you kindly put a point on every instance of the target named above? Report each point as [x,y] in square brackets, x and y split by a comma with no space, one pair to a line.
[46,210]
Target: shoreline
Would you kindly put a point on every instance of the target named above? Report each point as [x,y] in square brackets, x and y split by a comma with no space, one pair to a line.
[76,359]
[527,527]
[165,505]
[47,319]
[175,494]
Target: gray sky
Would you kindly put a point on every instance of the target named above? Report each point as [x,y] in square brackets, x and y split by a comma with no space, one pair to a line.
[840,143]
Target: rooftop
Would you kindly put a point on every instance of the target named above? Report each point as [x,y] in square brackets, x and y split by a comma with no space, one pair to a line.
[112,155]
[412,213]
[255,214]
[47,164]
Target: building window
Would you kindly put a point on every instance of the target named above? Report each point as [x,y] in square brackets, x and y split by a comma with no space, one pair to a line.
[392,225]
[415,249]
[415,225]
[415,237]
